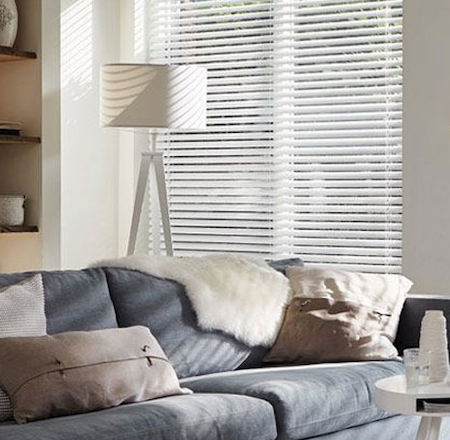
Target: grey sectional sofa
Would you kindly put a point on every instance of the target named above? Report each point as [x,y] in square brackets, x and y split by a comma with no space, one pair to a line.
[235,397]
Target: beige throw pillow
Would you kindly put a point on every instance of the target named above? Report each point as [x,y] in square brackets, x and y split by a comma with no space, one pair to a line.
[340,316]
[77,372]
[21,314]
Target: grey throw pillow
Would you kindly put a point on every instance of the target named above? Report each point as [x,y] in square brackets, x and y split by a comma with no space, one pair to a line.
[22,313]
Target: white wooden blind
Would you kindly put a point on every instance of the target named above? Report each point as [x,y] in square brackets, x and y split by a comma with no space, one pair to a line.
[302,155]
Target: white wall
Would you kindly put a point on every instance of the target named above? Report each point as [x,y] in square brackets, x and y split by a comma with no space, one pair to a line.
[90,37]
[426,147]
[127,165]
[132,50]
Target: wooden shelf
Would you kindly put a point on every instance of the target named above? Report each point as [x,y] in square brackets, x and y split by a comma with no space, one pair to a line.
[18,234]
[19,229]
[11,54]
[8,139]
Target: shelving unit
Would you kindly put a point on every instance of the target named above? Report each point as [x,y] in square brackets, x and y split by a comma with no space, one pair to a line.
[8,54]
[21,155]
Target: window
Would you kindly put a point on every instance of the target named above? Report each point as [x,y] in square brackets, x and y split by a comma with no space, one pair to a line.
[302,155]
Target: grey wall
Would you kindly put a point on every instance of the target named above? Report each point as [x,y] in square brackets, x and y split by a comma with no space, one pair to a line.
[426,190]
[51,134]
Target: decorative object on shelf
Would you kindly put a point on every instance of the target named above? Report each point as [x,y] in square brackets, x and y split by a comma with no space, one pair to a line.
[433,338]
[153,96]
[12,210]
[10,128]
[9,21]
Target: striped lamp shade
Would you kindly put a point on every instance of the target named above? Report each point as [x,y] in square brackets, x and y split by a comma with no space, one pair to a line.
[156,96]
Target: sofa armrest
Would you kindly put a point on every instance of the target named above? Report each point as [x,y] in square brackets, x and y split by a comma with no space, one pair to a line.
[411,317]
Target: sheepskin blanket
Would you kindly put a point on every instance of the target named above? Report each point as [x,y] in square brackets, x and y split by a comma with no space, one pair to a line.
[240,296]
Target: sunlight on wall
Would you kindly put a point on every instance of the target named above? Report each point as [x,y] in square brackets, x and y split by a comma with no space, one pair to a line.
[77,48]
[139,28]
[90,37]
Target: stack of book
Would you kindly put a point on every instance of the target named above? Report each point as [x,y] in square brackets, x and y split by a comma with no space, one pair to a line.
[10,128]
[437,406]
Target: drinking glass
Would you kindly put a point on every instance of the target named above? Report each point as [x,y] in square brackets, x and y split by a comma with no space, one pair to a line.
[417,367]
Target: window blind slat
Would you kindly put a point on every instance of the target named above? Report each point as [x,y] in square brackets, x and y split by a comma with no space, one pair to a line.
[317,36]
[241,42]
[259,26]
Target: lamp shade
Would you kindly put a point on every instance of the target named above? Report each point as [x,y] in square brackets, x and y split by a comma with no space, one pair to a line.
[156,96]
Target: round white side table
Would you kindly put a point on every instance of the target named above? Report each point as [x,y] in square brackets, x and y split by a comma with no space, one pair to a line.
[392,395]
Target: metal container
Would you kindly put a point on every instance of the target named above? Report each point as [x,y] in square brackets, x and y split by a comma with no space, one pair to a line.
[12,210]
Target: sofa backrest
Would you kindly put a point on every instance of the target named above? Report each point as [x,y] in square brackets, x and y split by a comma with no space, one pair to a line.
[74,300]
[163,306]
[100,298]
[415,307]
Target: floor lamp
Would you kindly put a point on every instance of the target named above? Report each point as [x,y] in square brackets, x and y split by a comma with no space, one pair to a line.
[156,97]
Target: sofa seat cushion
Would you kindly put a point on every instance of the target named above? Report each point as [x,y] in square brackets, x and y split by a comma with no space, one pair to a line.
[308,400]
[196,416]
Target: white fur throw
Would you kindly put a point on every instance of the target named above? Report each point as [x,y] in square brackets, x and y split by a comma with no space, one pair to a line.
[240,296]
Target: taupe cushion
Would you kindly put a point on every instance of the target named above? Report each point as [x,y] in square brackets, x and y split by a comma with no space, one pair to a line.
[323,330]
[77,372]
[339,316]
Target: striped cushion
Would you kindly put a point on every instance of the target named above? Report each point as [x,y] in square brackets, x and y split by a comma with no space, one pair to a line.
[21,314]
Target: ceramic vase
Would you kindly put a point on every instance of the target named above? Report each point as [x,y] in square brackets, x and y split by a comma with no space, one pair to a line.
[433,338]
[9,20]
